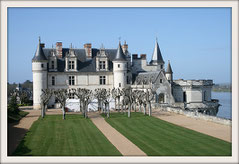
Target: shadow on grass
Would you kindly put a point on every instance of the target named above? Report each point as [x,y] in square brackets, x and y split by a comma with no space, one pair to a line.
[15,135]
[22,150]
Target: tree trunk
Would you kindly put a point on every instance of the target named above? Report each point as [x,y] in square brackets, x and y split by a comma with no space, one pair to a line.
[140,107]
[63,111]
[150,109]
[144,109]
[98,104]
[86,109]
[118,104]
[108,110]
[129,109]
[45,109]
[42,110]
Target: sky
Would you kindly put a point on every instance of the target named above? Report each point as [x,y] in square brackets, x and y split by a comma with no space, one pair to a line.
[197,41]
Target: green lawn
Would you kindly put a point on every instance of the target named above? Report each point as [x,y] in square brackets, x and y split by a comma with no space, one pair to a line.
[160,138]
[75,136]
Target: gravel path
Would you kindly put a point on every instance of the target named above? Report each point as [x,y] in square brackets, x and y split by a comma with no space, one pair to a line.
[126,147]
[210,128]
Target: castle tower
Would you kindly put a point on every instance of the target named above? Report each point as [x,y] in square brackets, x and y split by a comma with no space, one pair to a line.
[157,58]
[169,73]
[39,70]
[120,68]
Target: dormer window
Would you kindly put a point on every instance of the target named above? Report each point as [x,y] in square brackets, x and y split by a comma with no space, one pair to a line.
[71,65]
[42,65]
[52,64]
[102,65]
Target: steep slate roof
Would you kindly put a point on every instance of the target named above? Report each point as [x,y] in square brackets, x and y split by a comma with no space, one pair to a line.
[120,56]
[169,69]
[83,64]
[39,55]
[157,56]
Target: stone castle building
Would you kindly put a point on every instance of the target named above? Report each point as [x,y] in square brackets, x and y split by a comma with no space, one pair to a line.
[91,68]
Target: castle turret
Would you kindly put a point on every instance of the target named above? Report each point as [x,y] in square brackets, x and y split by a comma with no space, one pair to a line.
[39,69]
[120,68]
[157,58]
[169,73]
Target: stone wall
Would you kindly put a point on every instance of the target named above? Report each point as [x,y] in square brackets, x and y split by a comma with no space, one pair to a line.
[195,115]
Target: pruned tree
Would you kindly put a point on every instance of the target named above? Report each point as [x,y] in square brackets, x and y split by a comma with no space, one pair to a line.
[116,93]
[61,96]
[45,97]
[140,99]
[98,96]
[127,98]
[79,94]
[149,97]
[87,97]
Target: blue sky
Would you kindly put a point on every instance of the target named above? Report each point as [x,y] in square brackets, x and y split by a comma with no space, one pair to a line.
[197,41]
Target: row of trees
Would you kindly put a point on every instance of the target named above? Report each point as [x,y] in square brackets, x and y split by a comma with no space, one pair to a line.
[125,99]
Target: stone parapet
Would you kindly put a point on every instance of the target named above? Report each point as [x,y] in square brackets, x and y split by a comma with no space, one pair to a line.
[182,82]
[195,115]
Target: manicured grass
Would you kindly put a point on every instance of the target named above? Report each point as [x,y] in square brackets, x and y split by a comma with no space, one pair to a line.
[75,136]
[160,138]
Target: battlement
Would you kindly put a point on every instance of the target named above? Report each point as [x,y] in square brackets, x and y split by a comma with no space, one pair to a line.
[182,82]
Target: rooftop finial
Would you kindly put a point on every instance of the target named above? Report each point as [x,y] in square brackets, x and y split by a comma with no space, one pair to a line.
[71,45]
[125,42]
[39,39]
[119,39]
[156,39]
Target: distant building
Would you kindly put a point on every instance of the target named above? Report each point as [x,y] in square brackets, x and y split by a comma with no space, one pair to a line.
[93,68]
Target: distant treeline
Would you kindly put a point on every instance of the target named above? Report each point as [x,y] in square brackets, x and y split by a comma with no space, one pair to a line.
[222,88]
[11,87]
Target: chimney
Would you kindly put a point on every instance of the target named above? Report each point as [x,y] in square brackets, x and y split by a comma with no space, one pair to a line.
[125,47]
[42,45]
[88,50]
[135,56]
[59,49]
[143,56]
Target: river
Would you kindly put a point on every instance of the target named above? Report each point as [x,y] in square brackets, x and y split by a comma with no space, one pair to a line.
[225,99]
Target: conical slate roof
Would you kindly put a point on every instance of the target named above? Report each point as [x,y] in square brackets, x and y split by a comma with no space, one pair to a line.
[157,57]
[169,69]
[119,55]
[39,55]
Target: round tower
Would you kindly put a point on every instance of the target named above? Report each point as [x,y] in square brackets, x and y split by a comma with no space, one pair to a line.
[39,70]
[169,73]
[120,69]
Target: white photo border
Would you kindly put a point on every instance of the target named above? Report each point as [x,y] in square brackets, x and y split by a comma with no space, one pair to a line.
[233,4]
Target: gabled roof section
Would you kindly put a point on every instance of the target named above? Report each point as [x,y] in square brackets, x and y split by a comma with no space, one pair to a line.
[157,56]
[169,69]
[39,55]
[120,56]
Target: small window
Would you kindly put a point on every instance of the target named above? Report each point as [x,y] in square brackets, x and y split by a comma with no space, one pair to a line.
[119,84]
[71,96]
[118,65]
[71,65]
[53,80]
[52,64]
[102,65]
[42,65]
[161,80]
[102,80]
[71,80]
[161,66]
